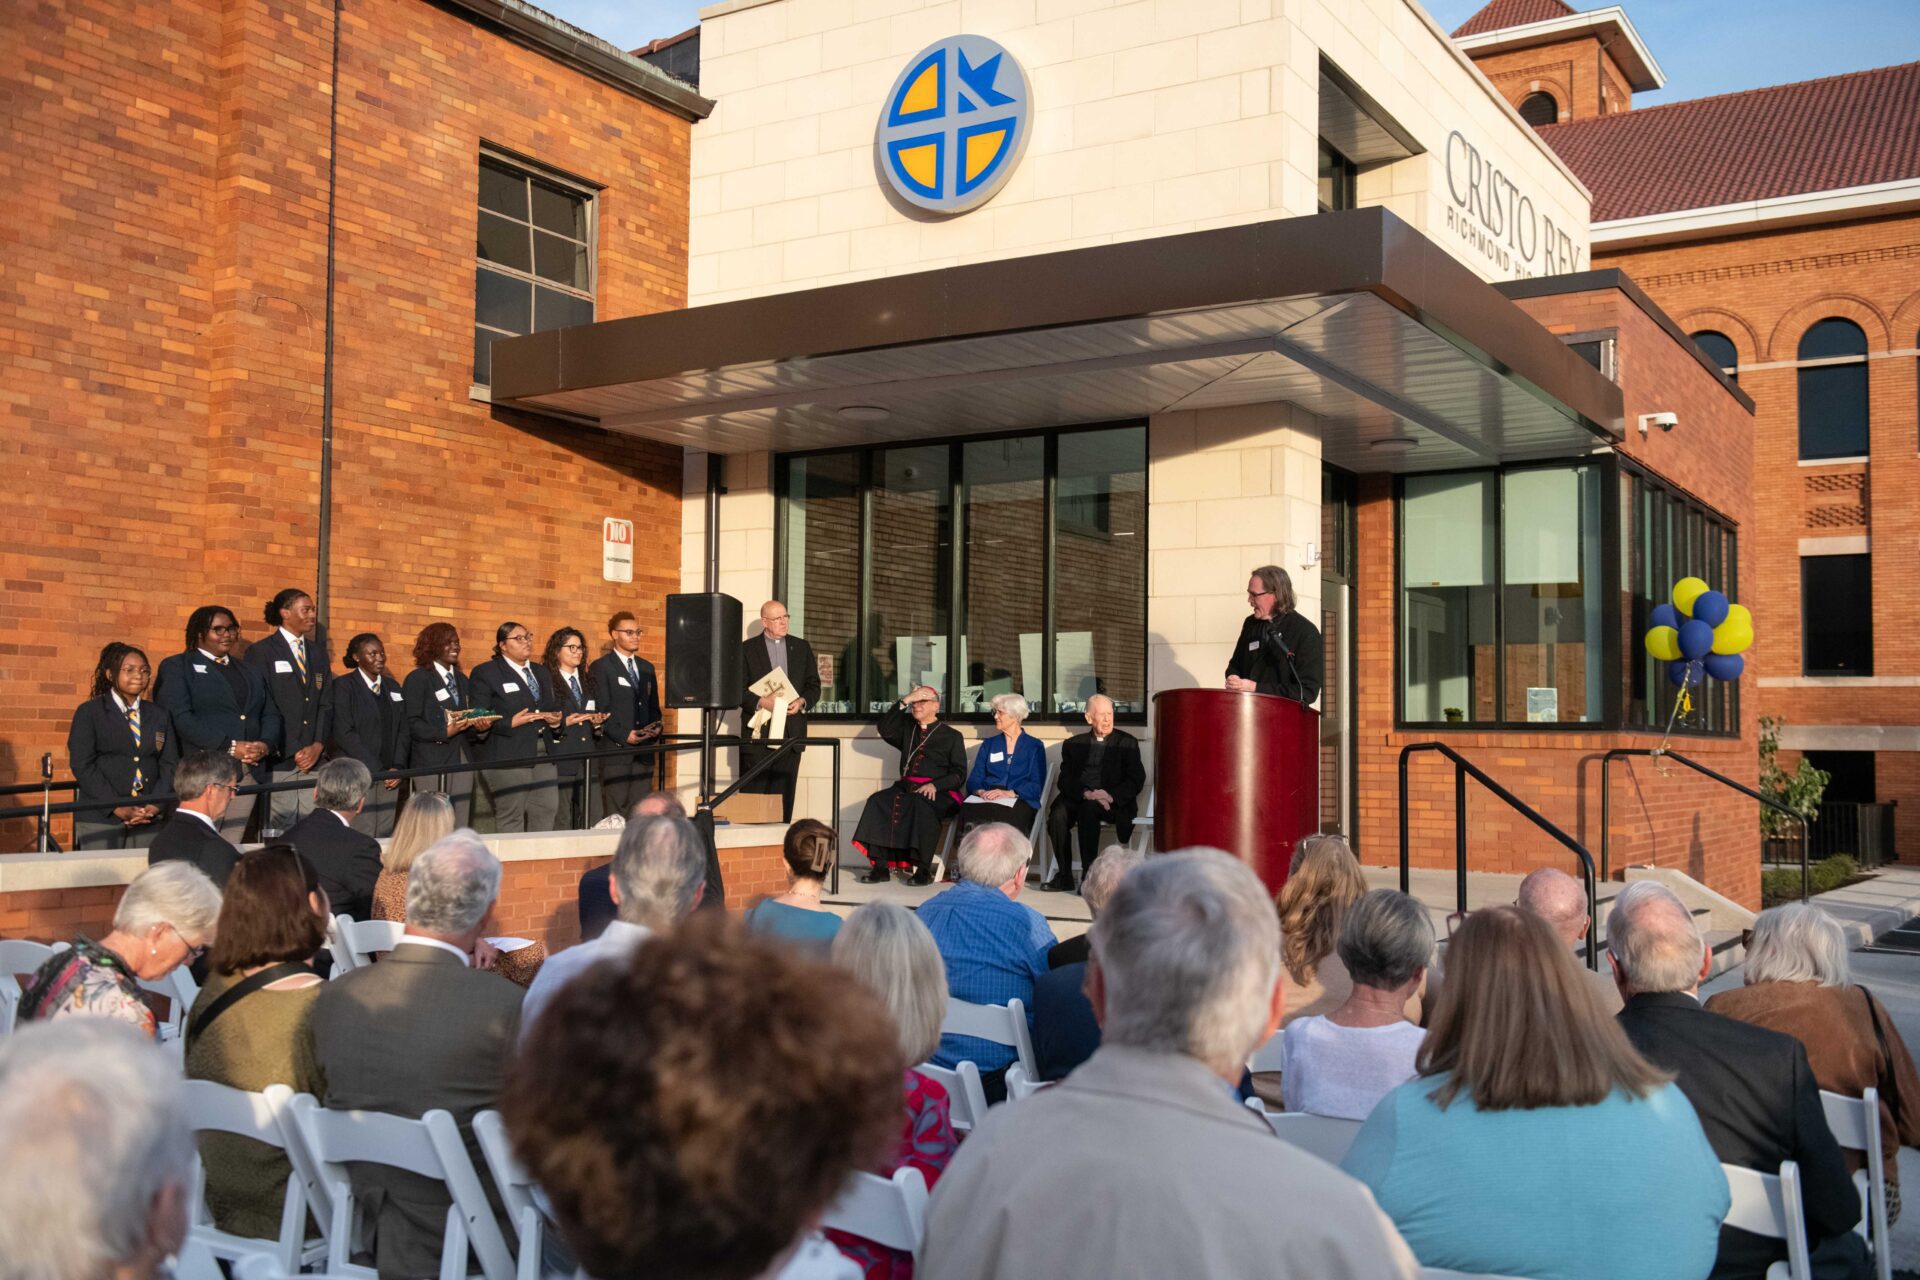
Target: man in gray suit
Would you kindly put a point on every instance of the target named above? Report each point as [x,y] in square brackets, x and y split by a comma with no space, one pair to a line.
[422,1030]
[1185,981]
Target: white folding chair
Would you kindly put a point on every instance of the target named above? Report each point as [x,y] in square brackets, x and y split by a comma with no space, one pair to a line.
[1021,1085]
[430,1147]
[359,939]
[337,944]
[181,991]
[1142,841]
[1271,1056]
[1769,1205]
[18,959]
[1044,856]
[1856,1127]
[1001,1023]
[1322,1136]
[216,1108]
[516,1190]
[888,1211]
[966,1096]
[261,1266]
[196,1262]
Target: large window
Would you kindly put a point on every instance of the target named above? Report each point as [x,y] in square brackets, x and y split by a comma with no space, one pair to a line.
[993,565]
[1719,348]
[1833,395]
[534,257]
[1666,536]
[1339,179]
[1502,607]
[1836,615]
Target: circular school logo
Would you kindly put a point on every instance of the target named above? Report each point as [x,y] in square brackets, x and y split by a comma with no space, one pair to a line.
[954,124]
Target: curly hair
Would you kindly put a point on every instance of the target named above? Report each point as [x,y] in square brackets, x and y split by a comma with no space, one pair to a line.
[200,622]
[1322,883]
[550,658]
[433,637]
[108,667]
[691,1111]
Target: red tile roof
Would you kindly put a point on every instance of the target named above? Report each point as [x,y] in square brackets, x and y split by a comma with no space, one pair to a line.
[1501,14]
[1818,135]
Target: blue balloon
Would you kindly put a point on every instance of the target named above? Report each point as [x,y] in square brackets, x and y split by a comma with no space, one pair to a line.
[1665,615]
[1681,672]
[1711,607]
[1724,666]
[1696,639]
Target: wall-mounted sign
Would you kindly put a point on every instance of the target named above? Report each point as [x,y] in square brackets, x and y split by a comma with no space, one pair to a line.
[954,125]
[1498,221]
[616,549]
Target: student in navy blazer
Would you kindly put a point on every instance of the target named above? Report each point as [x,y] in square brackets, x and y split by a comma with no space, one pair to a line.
[579,731]
[1010,765]
[366,718]
[630,695]
[292,661]
[219,704]
[434,689]
[526,796]
[120,745]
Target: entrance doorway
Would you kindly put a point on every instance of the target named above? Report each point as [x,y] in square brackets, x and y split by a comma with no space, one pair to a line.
[1339,493]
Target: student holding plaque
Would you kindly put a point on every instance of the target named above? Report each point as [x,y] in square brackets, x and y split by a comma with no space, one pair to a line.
[441,714]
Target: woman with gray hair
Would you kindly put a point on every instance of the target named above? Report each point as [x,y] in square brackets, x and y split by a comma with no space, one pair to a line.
[1009,772]
[1342,1063]
[1797,982]
[165,919]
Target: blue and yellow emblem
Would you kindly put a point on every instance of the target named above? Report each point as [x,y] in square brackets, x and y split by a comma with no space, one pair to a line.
[954,124]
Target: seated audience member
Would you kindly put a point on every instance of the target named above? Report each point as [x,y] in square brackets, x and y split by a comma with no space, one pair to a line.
[1323,883]
[1558,898]
[992,945]
[366,720]
[1100,781]
[692,1109]
[900,824]
[596,899]
[205,782]
[890,951]
[1752,1088]
[1798,982]
[1065,1033]
[119,744]
[99,1164]
[810,848]
[1143,1162]
[166,918]
[1535,1141]
[348,861]
[424,818]
[249,1028]
[418,1031]
[659,872]
[1341,1063]
[1009,772]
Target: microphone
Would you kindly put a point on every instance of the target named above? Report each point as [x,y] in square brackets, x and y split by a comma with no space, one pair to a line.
[1272,633]
[46,767]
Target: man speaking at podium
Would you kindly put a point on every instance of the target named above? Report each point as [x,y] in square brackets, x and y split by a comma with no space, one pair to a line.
[1278,650]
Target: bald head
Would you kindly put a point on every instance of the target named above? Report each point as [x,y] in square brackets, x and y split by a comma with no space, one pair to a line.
[1653,942]
[659,804]
[1557,898]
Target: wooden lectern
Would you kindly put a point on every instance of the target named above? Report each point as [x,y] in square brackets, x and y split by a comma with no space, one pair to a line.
[1236,771]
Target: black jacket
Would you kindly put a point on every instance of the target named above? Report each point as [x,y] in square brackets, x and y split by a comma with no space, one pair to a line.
[944,761]
[596,901]
[199,700]
[573,739]
[363,727]
[431,744]
[1065,1033]
[629,706]
[347,861]
[1260,655]
[101,752]
[1758,1102]
[500,688]
[301,700]
[802,670]
[186,837]
[1121,774]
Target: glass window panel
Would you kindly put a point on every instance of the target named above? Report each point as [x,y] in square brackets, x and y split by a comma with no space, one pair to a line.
[910,576]
[821,555]
[1552,609]
[560,260]
[561,211]
[1448,598]
[1833,337]
[501,302]
[555,310]
[1003,600]
[1100,570]
[1836,615]
[502,189]
[1833,411]
[1719,348]
[503,241]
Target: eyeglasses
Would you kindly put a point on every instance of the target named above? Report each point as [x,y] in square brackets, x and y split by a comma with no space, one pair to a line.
[231,629]
[922,702]
[522,636]
[193,953]
[778,617]
[626,631]
[565,647]
[1255,595]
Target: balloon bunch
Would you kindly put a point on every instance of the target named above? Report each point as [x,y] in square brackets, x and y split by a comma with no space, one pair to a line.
[1700,634]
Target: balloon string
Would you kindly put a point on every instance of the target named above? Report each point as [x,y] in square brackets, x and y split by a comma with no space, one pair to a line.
[1679,698]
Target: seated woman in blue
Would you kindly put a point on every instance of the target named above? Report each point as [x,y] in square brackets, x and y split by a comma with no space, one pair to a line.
[1009,772]
[809,850]
[1535,1141]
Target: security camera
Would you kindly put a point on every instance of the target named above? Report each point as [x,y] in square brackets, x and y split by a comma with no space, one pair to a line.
[1664,421]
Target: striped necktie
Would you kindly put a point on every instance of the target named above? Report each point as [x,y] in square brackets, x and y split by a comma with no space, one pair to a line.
[133,723]
[453,691]
[300,658]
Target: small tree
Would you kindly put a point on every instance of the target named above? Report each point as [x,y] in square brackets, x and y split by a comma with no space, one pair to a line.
[1800,790]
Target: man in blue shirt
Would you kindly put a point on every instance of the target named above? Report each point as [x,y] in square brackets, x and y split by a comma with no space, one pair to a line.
[993,946]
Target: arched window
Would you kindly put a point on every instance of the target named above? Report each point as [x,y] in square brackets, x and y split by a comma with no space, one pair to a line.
[1539,108]
[1719,349]
[1833,397]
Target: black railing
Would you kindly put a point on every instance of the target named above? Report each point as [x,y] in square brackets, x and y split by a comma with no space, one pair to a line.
[833,877]
[1861,830]
[1662,753]
[1464,768]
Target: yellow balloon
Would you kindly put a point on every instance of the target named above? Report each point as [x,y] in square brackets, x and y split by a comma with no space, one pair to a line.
[1736,633]
[1664,643]
[1685,592]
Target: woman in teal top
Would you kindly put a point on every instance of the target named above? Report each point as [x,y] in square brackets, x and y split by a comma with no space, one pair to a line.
[1535,1141]
[809,849]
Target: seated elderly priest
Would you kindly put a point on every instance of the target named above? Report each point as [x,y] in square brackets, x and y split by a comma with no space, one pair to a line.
[901,823]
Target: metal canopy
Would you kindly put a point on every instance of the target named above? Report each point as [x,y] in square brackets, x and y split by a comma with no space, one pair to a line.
[1353,317]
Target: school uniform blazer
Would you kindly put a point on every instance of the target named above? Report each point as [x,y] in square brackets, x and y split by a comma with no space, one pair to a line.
[431,744]
[498,687]
[300,700]
[1023,772]
[363,727]
[101,752]
[573,739]
[629,706]
[200,702]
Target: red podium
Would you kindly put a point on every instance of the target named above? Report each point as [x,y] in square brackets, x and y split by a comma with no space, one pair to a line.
[1237,771]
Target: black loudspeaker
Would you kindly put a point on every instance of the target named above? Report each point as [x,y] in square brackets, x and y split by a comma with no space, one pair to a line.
[703,651]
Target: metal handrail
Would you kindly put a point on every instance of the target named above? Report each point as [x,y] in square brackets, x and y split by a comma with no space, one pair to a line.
[1462,769]
[833,877]
[1665,753]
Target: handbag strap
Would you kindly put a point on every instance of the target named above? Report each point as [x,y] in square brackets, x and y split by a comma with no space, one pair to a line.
[245,987]
[1890,1078]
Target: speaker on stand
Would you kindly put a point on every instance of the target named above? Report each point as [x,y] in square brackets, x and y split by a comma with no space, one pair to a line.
[703,664]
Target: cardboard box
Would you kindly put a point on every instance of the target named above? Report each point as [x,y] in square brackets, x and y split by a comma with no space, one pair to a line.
[744,808]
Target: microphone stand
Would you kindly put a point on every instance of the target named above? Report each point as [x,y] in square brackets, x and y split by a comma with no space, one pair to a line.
[1272,633]
[46,803]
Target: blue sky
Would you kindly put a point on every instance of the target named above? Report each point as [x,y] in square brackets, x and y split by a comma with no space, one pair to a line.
[1705,46]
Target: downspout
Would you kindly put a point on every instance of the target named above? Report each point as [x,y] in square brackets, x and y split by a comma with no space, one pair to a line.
[324,540]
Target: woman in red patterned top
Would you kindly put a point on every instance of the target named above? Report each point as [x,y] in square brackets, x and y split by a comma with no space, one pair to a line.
[888,948]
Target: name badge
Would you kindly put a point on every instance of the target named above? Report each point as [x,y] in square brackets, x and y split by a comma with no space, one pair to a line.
[197,667]
[282,668]
[508,686]
[589,704]
[624,682]
[395,695]
[997,757]
[441,694]
[1252,645]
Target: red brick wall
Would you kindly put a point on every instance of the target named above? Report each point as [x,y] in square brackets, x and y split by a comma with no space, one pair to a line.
[1582,78]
